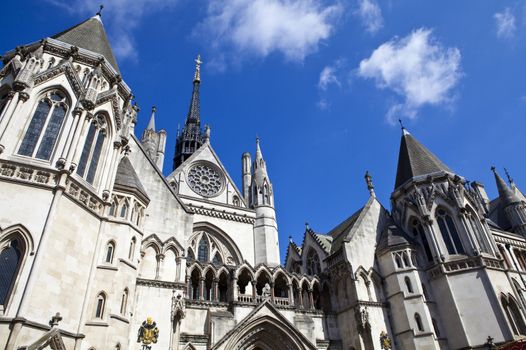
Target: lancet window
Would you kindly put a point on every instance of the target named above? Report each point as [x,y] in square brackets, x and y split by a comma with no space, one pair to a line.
[92,149]
[313,263]
[44,128]
[11,254]
[449,233]
[418,230]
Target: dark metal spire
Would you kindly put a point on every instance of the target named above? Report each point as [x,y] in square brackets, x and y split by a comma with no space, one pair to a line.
[191,137]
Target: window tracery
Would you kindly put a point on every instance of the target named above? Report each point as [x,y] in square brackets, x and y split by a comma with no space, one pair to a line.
[313,263]
[449,233]
[92,149]
[10,261]
[42,133]
[418,230]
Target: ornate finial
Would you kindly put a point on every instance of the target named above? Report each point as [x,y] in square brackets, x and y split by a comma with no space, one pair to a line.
[510,180]
[401,124]
[307,226]
[493,169]
[369,182]
[290,239]
[154,109]
[207,132]
[55,320]
[197,75]
[101,7]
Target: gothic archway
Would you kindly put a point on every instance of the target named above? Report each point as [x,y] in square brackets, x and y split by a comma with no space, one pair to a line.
[268,333]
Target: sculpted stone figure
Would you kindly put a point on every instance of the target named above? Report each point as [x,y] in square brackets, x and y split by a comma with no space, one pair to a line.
[266,291]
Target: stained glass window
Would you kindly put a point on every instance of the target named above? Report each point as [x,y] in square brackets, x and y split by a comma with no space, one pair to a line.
[202,253]
[9,262]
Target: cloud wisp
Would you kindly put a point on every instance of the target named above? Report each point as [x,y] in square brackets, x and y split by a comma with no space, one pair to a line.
[417,68]
[258,28]
[505,22]
[121,18]
[370,15]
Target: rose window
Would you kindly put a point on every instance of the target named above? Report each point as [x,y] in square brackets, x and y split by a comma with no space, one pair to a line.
[205,180]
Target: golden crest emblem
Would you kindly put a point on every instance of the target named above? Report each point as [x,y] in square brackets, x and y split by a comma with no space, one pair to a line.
[148,333]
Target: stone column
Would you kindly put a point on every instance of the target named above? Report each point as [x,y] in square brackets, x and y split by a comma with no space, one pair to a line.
[272,292]
[300,295]
[201,288]
[76,149]
[430,232]
[160,258]
[17,100]
[77,112]
[107,181]
[189,287]
[234,289]
[253,291]
[291,293]
[311,299]
[469,233]
[215,288]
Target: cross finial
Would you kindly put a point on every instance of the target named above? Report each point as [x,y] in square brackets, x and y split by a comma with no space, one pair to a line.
[401,124]
[197,75]
[101,7]
[510,180]
[306,226]
[493,168]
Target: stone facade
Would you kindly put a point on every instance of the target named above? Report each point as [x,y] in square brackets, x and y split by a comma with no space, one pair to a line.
[94,239]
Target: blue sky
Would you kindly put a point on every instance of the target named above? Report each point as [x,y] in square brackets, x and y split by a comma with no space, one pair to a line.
[322,83]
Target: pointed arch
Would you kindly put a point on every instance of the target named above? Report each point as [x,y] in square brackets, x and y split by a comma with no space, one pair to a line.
[267,332]
[216,233]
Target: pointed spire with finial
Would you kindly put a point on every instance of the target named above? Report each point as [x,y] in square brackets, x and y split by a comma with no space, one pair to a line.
[510,180]
[197,74]
[506,195]
[404,130]
[369,182]
[151,123]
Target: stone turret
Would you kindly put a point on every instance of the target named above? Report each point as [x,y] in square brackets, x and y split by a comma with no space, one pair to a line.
[261,198]
[154,142]
[514,208]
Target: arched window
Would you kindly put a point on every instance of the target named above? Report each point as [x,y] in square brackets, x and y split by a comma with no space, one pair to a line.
[478,232]
[100,304]
[113,208]
[313,263]
[92,150]
[513,314]
[418,230]
[110,250]
[202,251]
[124,210]
[190,255]
[132,248]
[124,301]
[449,233]
[408,284]
[10,260]
[418,322]
[406,260]
[45,125]
[217,259]
[398,260]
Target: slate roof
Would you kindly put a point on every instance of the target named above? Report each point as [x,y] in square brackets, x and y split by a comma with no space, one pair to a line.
[338,233]
[89,35]
[415,159]
[393,236]
[127,180]
[324,241]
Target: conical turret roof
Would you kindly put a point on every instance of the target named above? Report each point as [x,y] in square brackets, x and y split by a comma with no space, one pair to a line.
[506,195]
[89,35]
[415,160]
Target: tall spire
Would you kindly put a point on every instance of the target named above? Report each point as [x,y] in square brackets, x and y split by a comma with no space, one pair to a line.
[415,160]
[506,195]
[151,123]
[260,167]
[191,137]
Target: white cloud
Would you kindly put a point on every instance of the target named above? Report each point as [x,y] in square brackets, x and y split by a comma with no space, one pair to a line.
[370,14]
[294,28]
[328,76]
[121,18]
[418,68]
[505,22]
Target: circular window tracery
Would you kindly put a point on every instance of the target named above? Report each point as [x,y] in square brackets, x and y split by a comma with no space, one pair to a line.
[205,179]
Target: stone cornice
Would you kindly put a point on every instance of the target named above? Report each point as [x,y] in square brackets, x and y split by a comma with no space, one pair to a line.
[223,214]
[160,284]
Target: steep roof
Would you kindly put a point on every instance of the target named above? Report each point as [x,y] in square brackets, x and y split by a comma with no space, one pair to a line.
[127,180]
[506,195]
[339,233]
[89,35]
[415,160]
[393,236]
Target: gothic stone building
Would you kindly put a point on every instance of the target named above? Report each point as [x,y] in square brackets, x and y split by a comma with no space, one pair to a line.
[94,238]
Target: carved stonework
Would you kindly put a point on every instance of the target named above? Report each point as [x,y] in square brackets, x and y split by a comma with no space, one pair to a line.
[178,307]
[362,318]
